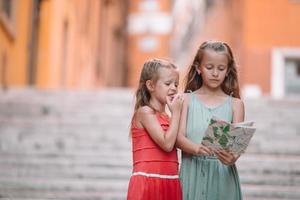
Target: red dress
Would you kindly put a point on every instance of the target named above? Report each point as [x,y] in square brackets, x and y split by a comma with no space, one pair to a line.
[155,172]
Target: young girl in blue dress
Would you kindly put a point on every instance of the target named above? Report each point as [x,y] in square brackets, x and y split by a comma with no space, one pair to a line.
[212,90]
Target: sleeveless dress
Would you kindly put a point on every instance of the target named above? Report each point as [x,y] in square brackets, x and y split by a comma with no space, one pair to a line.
[155,172]
[205,177]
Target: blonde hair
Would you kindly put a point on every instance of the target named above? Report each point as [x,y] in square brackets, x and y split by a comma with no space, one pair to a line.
[149,72]
[230,85]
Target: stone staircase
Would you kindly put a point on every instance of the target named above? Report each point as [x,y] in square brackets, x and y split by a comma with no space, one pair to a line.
[75,145]
[271,167]
[65,145]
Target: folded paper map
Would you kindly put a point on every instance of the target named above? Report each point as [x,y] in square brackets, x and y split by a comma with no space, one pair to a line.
[232,137]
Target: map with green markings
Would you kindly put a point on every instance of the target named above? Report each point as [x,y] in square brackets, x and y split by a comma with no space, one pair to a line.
[221,135]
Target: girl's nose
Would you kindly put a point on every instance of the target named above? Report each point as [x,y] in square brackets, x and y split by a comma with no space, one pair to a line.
[173,87]
[215,72]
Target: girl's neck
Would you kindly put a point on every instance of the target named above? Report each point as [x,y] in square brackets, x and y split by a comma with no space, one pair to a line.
[156,105]
[211,91]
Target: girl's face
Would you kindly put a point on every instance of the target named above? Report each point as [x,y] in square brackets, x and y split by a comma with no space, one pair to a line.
[166,85]
[213,68]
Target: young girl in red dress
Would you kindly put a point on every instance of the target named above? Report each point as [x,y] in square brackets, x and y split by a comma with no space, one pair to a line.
[153,132]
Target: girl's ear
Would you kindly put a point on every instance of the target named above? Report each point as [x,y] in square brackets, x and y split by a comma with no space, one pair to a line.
[150,85]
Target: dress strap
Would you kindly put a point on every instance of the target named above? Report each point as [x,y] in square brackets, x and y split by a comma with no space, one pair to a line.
[230,99]
[191,94]
[192,97]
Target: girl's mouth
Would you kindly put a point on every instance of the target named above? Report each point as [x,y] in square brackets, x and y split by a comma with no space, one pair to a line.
[171,97]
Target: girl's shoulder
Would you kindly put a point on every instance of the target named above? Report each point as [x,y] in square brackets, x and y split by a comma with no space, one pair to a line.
[144,110]
[238,110]
[140,113]
[187,97]
[237,101]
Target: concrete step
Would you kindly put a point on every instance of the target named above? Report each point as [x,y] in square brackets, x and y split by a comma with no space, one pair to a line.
[268,163]
[32,194]
[270,179]
[122,158]
[63,188]
[269,176]
[68,184]
[270,192]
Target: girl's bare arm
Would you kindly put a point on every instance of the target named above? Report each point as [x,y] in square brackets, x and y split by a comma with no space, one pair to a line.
[182,141]
[238,116]
[148,120]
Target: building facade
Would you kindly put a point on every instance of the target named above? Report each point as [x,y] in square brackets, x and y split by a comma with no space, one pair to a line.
[265,38]
[14,40]
[149,31]
[91,44]
[63,44]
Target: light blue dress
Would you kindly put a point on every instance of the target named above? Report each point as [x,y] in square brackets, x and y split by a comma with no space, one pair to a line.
[203,177]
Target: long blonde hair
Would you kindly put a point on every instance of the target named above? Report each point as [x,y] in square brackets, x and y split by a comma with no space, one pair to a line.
[230,85]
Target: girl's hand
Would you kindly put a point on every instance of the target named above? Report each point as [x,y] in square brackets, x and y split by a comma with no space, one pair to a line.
[226,157]
[203,150]
[175,104]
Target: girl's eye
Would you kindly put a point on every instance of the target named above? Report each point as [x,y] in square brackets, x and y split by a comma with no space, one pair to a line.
[208,66]
[168,84]
[222,68]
